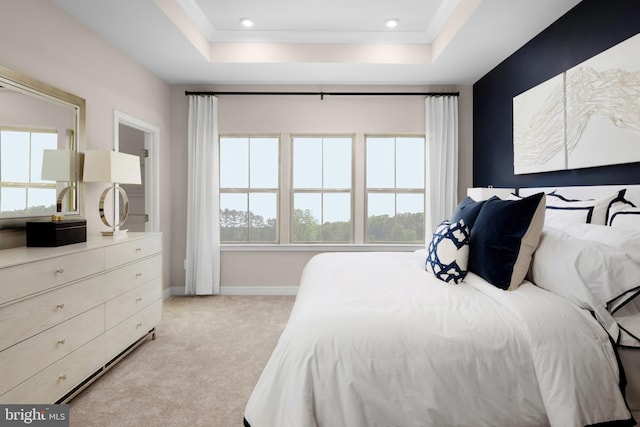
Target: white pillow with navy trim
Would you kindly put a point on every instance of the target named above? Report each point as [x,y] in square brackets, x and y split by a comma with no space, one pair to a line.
[560,217]
[627,218]
[625,240]
[593,211]
[595,276]
[448,251]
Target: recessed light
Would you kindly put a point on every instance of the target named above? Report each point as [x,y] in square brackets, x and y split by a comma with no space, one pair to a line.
[391,23]
[246,22]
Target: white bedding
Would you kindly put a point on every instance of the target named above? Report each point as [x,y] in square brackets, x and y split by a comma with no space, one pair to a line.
[375,340]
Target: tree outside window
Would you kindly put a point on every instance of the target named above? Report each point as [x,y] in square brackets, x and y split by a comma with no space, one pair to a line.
[322,189]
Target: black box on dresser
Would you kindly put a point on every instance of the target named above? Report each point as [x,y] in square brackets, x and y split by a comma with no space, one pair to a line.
[56,233]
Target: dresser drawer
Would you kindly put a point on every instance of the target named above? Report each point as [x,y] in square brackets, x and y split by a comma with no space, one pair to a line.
[136,326]
[131,302]
[27,358]
[58,379]
[133,250]
[131,276]
[24,319]
[26,279]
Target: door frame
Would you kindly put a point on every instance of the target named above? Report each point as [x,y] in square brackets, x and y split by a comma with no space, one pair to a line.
[152,165]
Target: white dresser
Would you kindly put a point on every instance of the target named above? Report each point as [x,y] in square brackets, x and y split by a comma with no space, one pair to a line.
[69,313]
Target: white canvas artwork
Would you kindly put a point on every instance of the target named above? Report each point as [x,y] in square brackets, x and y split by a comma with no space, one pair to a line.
[603,108]
[588,116]
[538,128]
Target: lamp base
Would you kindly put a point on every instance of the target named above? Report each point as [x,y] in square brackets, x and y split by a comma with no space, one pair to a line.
[114,232]
[123,216]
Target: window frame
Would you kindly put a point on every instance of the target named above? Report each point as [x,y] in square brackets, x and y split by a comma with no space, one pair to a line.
[249,190]
[29,184]
[359,199]
[393,190]
[293,190]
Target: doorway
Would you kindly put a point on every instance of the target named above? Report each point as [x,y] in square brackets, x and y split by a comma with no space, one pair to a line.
[134,136]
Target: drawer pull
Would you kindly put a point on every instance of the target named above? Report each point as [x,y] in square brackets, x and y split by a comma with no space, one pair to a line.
[138,275]
[139,299]
[59,306]
[138,249]
[61,341]
[139,325]
[62,377]
[60,270]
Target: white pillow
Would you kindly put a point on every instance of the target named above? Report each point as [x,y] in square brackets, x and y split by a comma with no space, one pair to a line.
[627,218]
[561,217]
[592,275]
[563,210]
[626,240]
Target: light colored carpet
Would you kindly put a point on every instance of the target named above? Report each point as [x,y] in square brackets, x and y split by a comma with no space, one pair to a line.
[207,356]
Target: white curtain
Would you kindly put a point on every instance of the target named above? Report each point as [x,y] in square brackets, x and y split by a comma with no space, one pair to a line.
[203,195]
[442,159]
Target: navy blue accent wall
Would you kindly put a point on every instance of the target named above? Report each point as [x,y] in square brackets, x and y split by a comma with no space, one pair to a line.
[589,28]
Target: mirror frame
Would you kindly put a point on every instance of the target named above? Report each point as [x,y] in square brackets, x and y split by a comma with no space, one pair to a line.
[25,84]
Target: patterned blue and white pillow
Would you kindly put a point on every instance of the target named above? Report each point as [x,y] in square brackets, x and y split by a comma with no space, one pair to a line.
[448,251]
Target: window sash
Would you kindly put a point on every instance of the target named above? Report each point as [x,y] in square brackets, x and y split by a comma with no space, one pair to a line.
[248,190]
[395,221]
[330,228]
[393,190]
[326,231]
[30,169]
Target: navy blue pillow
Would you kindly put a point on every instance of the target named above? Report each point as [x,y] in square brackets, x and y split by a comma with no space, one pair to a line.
[468,210]
[505,235]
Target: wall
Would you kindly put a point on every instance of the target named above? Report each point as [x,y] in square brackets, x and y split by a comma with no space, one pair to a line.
[588,29]
[281,267]
[42,41]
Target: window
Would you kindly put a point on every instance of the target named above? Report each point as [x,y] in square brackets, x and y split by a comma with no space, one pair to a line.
[22,191]
[395,185]
[336,189]
[322,189]
[249,194]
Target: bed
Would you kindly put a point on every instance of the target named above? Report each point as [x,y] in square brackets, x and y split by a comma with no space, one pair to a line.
[375,339]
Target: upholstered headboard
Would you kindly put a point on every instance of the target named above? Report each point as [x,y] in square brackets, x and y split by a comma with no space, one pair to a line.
[588,192]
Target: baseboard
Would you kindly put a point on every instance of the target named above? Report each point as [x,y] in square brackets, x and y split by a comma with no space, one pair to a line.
[177,291]
[243,290]
[258,290]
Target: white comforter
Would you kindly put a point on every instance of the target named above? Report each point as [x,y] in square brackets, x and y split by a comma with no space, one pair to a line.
[374,340]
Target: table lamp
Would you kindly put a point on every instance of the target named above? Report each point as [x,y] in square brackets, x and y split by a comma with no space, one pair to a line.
[116,168]
[60,166]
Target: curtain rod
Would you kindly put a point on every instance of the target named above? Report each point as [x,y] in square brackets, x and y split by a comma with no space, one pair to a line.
[323,94]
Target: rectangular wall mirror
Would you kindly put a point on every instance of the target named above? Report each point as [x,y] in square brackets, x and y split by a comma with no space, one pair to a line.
[41,138]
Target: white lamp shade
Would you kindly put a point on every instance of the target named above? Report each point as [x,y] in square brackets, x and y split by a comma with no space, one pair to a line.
[59,165]
[111,166]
